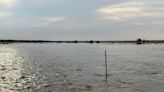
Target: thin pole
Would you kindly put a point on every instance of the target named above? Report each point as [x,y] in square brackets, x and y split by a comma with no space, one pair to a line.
[106,66]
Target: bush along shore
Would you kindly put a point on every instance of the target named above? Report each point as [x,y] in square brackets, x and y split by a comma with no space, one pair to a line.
[138,41]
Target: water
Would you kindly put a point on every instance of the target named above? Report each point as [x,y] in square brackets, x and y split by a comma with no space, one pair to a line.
[80,68]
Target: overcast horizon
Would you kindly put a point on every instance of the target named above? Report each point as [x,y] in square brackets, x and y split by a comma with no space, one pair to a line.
[81,19]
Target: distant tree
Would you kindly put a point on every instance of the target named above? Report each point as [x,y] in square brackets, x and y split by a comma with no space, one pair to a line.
[75,41]
[91,41]
[98,41]
[139,41]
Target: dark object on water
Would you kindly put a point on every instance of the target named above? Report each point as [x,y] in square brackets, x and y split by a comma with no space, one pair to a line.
[98,41]
[46,85]
[75,41]
[91,41]
[3,77]
[22,77]
[139,41]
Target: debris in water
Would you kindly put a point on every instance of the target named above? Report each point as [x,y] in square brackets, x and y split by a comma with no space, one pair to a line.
[22,77]
[3,77]
[46,85]
[88,87]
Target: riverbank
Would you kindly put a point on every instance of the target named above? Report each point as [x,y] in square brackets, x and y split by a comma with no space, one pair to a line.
[78,41]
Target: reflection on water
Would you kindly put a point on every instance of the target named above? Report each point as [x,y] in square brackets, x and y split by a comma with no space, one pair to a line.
[11,67]
[16,75]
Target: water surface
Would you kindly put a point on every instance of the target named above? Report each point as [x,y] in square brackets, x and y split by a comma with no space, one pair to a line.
[80,68]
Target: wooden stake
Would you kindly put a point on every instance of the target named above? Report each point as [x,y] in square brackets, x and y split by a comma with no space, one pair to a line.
[106,66]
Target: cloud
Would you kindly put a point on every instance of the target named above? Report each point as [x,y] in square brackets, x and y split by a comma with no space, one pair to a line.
[42,2]
[52,19]
[4,14]
[128,10]
[8,3]
[46,21]
[6,6]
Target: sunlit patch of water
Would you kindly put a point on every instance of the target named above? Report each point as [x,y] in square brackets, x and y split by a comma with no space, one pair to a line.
[10,70]
[15,74]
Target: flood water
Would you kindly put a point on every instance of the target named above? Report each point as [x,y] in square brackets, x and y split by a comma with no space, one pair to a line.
[52,67]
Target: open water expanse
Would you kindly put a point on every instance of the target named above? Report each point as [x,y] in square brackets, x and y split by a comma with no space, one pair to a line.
[52,67]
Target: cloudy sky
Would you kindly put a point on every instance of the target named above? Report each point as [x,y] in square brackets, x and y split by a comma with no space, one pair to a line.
[82,19]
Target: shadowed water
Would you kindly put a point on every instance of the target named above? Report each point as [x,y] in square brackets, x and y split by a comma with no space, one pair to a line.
[80,68]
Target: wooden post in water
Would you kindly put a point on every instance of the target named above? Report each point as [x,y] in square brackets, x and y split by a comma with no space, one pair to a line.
[106,66]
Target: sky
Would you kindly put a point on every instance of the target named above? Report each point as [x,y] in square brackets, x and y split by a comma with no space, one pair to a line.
[81,19]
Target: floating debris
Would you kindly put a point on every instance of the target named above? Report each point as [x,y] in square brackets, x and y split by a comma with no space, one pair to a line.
[46,85]
[22,77]
[3,77]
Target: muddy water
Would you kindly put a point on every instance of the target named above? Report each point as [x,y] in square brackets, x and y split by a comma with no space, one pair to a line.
[80,68]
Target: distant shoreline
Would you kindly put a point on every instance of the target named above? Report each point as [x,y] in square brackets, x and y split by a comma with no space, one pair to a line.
[77,41]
